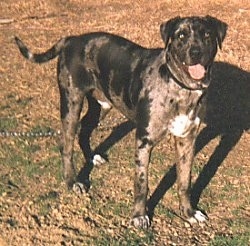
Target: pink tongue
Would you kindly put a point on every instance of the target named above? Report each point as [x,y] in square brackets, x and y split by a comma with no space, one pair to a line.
[196,71]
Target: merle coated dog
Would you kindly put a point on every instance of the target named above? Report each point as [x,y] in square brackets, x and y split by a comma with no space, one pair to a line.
[160,90]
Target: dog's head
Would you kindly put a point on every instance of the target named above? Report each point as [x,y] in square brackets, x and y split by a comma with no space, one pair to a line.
[191,44]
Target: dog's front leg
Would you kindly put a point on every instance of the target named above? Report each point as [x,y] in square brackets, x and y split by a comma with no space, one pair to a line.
[185,154]
[142,157]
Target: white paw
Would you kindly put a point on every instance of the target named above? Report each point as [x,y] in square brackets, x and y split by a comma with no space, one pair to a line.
[104,105]
[79,188]
[142,222]
[98,160]
[198,217]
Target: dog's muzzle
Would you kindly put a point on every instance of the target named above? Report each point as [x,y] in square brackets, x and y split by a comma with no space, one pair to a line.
[194,68]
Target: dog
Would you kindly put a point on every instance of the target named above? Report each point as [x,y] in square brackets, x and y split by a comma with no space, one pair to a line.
[161,90]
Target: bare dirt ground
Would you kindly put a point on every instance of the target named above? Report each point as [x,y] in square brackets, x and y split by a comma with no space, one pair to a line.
[36,208]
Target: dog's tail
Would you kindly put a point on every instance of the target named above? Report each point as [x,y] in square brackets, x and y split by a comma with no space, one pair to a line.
[42,57]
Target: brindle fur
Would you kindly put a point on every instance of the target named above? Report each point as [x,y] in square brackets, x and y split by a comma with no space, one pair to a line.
[149,86]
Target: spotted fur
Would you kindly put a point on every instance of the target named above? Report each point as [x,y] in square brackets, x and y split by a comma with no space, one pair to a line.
[157,89]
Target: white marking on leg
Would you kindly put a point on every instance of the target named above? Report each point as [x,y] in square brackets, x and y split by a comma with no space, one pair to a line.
[104,105]
[98,160]
[30,56]
[197,121]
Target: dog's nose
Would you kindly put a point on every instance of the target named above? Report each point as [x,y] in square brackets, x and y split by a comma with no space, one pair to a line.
[195,53]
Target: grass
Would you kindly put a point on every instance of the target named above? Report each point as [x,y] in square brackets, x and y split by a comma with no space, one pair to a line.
[8,123]
[33,172]
[44,202]
[225,240]
[240,231]
[165,211]
[128,237]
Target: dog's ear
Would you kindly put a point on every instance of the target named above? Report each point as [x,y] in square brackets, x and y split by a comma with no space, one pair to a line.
[167,29]
[219,27]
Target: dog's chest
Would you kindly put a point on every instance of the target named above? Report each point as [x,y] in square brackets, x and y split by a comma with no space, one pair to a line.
[176,109]
[185,113]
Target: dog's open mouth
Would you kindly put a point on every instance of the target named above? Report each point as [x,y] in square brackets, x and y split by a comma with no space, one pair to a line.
[196,71]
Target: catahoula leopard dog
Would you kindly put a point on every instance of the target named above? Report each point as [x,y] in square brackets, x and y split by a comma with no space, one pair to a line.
[161,90]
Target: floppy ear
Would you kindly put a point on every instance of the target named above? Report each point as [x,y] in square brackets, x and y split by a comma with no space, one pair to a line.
[167,29]
[219,27]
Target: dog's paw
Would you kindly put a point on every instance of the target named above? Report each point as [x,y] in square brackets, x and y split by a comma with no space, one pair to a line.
[98,160]
[198,217]
[141,222]
[79,188]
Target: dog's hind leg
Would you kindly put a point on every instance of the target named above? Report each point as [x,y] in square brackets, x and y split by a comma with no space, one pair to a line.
[71,106]
[88,123]
[71,103]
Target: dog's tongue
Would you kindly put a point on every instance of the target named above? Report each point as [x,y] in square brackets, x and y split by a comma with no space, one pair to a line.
[196,71]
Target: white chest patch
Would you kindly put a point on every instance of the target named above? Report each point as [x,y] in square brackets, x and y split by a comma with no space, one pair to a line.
[181,125]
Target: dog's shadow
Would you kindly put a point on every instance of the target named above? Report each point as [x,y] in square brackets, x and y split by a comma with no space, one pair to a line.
[227,114]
